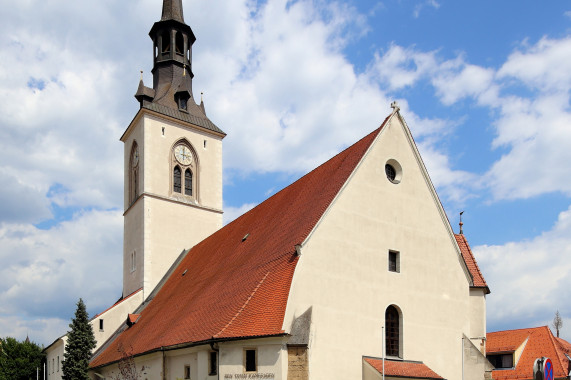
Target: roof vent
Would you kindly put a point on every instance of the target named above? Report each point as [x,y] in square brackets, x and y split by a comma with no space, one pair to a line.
[245,237]
[132,319]
[183,273]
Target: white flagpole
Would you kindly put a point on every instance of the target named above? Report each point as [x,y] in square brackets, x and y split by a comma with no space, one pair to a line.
[383,352]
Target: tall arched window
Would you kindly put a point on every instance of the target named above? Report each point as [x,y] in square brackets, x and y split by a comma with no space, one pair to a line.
[134,173]
[176,180]
[392,333]
[188,182]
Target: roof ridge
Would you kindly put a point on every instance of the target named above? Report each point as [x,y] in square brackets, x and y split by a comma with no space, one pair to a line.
[521,329]
[552,340]
[243,306]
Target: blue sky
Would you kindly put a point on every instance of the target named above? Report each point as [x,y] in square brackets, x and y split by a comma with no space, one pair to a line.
[483,85]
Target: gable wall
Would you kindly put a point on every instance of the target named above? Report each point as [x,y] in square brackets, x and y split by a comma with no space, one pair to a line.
[343,271]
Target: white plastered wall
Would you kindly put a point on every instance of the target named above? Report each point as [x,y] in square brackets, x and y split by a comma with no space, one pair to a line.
[54,353]
[271,358]
[114,317]
[343,270]
[160,224]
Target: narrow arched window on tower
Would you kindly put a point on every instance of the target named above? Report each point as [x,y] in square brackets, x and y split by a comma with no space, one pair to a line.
[188,182]
[179,43]
[134,173]
[392,333]
[165,42]
[177,180]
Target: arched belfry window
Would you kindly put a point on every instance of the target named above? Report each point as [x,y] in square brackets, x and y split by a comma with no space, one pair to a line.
[184,164]
[393,333]
[179,43]
[134,173]
[165,42]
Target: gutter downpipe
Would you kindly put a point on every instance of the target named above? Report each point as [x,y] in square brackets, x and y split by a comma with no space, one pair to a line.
[164,364]
[217,358]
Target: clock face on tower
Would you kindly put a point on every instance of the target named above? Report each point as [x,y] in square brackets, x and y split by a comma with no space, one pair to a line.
[183,155]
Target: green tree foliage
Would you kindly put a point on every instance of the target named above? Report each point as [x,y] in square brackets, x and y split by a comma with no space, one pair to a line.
[19,360]
[80,343]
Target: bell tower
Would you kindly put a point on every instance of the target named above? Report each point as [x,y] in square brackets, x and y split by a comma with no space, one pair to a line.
[172,161]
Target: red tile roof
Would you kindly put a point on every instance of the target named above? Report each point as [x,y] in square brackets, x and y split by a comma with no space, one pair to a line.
[401,368]
[470,261]
[227,287]
[541,343]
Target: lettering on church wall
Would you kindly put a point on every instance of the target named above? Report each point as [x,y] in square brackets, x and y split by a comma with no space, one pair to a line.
[249,376]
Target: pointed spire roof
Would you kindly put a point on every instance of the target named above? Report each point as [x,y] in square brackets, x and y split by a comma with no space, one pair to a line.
[172,10]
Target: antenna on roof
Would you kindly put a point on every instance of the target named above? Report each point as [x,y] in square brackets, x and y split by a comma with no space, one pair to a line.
[461,224]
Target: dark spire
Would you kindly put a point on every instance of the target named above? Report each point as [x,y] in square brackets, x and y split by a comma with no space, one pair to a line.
[172,10]
[172,69]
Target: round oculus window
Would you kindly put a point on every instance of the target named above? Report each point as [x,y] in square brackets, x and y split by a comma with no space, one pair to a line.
[393,170]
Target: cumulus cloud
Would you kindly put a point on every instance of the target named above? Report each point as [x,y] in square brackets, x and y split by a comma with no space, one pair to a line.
[428,3]
[45,272]
[529,278]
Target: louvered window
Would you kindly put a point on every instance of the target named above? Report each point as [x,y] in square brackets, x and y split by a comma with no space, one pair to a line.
[392,331]
[188,182]
[177,180]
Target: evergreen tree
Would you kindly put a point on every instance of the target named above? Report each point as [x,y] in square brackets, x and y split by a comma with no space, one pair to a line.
[19,360]
[80,343]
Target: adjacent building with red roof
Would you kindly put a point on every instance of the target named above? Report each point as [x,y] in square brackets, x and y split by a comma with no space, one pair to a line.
[353,263]
[513,353]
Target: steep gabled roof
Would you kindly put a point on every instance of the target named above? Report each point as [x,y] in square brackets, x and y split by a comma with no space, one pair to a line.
[471,263]
[541,342]
[403,368]
[236,282]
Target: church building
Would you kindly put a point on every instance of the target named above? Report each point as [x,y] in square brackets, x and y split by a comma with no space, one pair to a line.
[351,272]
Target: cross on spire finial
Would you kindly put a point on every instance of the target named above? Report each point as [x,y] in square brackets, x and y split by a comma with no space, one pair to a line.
[395,106]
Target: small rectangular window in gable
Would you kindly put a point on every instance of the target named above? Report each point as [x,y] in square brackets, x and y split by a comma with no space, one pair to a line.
[394,261]
[187,372]
[101,324]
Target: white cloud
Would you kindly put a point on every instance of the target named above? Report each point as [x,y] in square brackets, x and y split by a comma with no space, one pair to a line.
[428,3]
[529,279]
[45,272]
[401,67]
[545,66]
